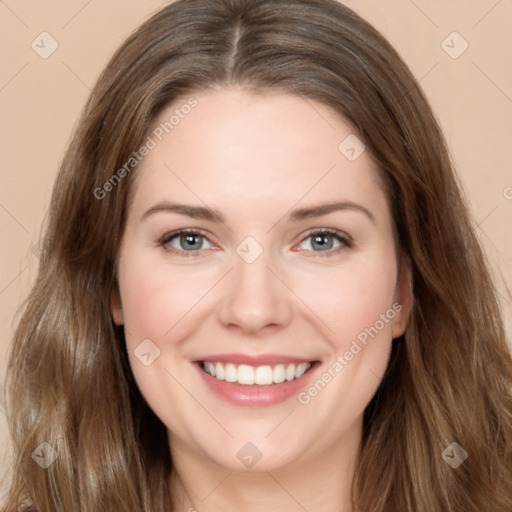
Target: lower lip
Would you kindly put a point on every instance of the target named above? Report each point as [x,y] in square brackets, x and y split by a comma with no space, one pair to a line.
[255,396]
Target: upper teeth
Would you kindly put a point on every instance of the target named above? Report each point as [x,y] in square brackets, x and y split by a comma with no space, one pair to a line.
[260,375]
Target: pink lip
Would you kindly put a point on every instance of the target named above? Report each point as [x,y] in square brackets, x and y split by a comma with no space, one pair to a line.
[255,396]
[253,360]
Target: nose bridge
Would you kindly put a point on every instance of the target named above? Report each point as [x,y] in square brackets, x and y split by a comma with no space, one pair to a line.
[254,278]
[254,297]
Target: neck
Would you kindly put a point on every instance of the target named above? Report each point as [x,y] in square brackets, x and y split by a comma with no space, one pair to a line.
[319,483]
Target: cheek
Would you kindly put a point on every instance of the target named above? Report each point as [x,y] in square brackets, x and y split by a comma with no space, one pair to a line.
[357,308]
[156,303]
[350,301]
[156,300]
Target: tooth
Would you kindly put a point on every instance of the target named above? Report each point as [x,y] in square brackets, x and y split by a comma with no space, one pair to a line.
[230,374]
[210,368]
[290,372]
[263,375]
[279,374]
[219,371]
[245,374]
[260,376]
[301,370]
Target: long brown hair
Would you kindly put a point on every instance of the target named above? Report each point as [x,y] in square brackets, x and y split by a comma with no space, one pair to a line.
[449,378]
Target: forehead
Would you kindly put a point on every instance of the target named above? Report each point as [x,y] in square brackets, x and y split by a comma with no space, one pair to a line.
[236,146]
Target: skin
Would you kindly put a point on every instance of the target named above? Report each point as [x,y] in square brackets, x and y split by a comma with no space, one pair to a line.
[253,158]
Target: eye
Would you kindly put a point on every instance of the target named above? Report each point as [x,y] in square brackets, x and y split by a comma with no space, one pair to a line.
[327,241]
[185,241]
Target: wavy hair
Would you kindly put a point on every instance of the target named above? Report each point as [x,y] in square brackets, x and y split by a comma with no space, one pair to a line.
[449,377]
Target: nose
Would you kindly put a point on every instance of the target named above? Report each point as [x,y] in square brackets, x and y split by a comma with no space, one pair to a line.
[254,298]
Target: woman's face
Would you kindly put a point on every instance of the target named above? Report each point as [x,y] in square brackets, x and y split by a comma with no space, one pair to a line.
[288,266]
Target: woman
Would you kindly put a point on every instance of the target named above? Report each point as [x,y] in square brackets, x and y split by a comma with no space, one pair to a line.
[260,287]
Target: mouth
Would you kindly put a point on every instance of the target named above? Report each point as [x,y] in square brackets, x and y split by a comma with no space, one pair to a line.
[255,381]
[247,375]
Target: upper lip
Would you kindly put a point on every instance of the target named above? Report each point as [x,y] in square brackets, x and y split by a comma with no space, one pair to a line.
[254,360]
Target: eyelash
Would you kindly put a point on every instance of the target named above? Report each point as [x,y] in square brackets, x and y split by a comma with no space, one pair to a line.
[345,241]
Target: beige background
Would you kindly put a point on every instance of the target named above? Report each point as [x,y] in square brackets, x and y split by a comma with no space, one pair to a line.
[40,100]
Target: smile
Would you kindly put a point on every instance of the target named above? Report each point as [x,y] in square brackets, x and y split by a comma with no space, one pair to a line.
[255,380]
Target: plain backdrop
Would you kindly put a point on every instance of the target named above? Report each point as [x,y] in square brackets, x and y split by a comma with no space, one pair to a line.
[466,76]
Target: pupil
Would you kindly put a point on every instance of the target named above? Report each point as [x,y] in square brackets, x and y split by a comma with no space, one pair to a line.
[324,241]
[191,240]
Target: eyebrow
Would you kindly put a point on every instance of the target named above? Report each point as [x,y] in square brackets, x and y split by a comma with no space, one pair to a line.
[325,209]
[195,212]
[203,213]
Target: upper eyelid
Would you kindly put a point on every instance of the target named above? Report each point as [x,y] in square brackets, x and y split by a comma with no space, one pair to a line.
[329,231]
[337,233]
[193,231]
